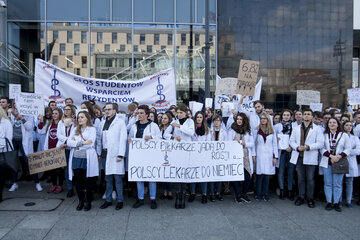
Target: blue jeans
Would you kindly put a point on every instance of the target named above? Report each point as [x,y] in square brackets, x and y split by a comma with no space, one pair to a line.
[333,185]
[152,189]
[110,187]
[262,185]
[68,181]
[285,163]
[349,188]
[203,188]
[212,186]
[246,185]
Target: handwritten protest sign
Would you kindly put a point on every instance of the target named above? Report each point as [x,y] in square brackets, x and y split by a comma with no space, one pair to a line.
[247,77]
[195,106]
[306,97]
[46,160]
[172,161]
[316,107]
[354,96]
[208,102]
[14,89]
[227,108]
[226,86]
[30,104]
[284,141]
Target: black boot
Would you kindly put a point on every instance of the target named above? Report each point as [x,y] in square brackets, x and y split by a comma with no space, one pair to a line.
[282,195]
[182,200]
[291,195]
[177,200]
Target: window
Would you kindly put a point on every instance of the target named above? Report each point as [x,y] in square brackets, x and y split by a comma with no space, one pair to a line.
[76,49]
[156,39]
[55,60]
[84,61]
[114,38]
[42,35]
[197,39]
[92,48]
[183,39]
[69,37]
[128,38]
[122,48]
[149,48]
[91,71]
[142,38]
[136,48]
[163,48]
[170,39]
[107,48]
[55,35]
[69,61]
[62,49]
[83,37]
[77,71]
[99,37]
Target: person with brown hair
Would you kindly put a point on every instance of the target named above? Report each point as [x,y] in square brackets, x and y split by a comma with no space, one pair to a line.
[266,156]
[83,161]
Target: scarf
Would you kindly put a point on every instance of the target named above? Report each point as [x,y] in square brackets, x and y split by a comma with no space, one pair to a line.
[181,121]
[287,127]
[264,135]
[200,130]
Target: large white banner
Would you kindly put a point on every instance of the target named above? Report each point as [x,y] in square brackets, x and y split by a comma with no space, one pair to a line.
[157,90]
[173,161]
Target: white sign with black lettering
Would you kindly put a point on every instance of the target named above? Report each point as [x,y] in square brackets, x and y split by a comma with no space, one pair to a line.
[30,104]
[354,96]
[173,161]
[306,97]
[14,89]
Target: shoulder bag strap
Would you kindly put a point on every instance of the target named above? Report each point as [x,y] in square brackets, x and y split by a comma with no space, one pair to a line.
[338,141]
[8,144]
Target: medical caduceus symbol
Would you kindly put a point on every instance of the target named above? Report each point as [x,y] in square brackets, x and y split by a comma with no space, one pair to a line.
[55,82]
[160,87]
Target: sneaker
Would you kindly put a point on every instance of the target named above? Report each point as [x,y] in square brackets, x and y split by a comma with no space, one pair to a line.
[113,195]
[14,187]
[51,189]
[238,199]
[219,197]
[212,198]
[191,198]
[266,198]
[337,207]
[104,197]
[258,198]
[328,207]
[138,203]
[58,189]
[38,187]
[119,205]
[245,198]
[153,204]
[349,205]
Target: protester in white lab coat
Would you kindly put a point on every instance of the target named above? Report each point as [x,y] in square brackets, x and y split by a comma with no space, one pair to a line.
[146,130]
[306,140]
[240,131]
[111,147]
[83,161]
[353,166]
[266,156]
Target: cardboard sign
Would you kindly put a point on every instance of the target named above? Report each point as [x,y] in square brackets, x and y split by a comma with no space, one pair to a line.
[306,97]
[172,161]
[30,104]
[46,160]
[226,86]
[247,77]
[316,107]
[354,96]
[208,102]
[14,89]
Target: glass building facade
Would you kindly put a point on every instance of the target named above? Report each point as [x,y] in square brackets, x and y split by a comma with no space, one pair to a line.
[301,45]
[110,39]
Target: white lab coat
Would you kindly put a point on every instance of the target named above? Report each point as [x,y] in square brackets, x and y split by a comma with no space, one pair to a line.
[116,146]
[185,131]
[222,134]
[344,145]
[61,135]
[315,140]
[73,141]
[205,137]
[151,130]
[355,151]
[249,144]
[265,153]
[27,133]
[6,131]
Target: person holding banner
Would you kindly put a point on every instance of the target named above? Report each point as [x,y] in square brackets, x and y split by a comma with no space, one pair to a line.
[65,126]
[202,133]
[146,130]
[283,131]
[306,140]
[111,147]
[83,161]
[184,130]
[6,133]
[52,141]
[240,131]
[266,156]
[23,142]
[217,134]
[336,146]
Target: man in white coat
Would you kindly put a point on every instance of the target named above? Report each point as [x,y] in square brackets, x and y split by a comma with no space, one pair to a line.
[306,140]
[145,129]
[111,146]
